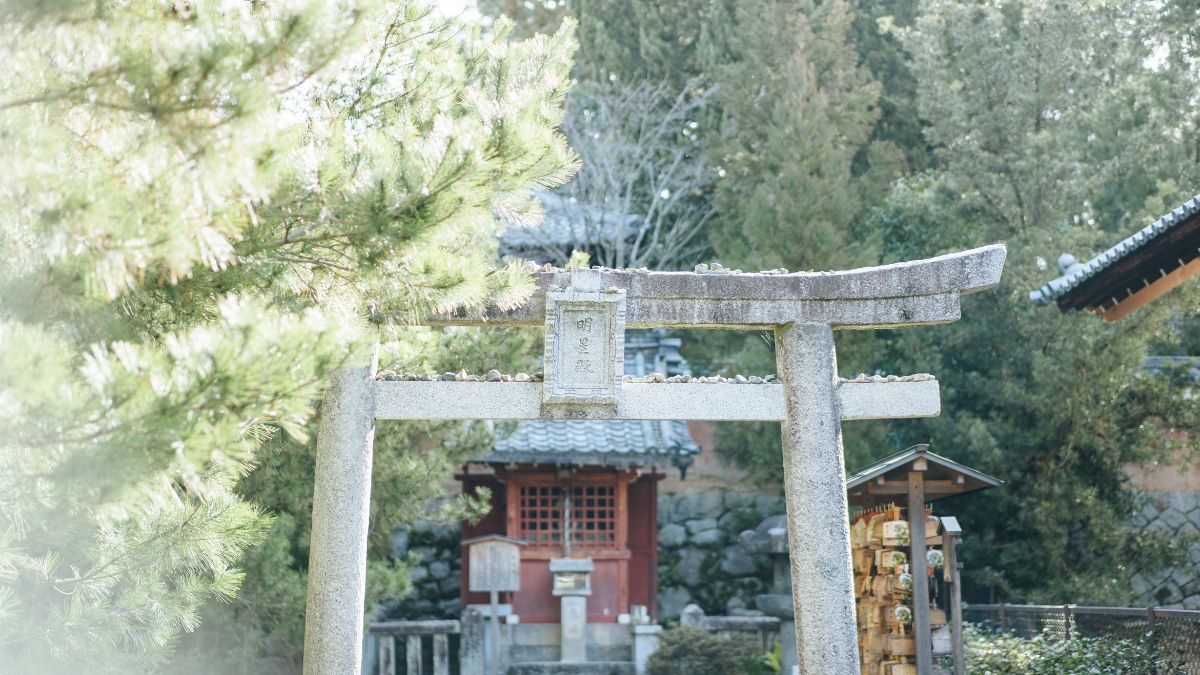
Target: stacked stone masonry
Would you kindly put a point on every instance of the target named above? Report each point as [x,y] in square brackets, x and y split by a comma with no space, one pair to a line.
[700,559]
[701,562]
[1177,513]
[435,572]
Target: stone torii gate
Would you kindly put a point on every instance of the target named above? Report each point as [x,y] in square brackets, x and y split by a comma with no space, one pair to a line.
[585,313]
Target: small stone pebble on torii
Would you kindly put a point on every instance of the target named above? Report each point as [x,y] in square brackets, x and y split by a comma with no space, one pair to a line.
[655,378]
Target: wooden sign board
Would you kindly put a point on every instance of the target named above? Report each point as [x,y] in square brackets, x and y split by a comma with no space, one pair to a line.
[495,563]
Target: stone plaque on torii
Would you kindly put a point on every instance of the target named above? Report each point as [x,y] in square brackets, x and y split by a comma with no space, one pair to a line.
[584,313]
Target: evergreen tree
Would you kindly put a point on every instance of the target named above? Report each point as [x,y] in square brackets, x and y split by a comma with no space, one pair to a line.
[791,132]
[1053,132]
[796,110]
[1042,117]
[873,33]
[204,205]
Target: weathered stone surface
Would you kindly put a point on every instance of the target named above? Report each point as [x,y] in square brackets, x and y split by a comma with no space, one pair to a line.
[471,643]
[337,574]
[691,616]
[1172,519]
[425,553]
[735,501]
[910,293]
[1189,587]
[645,643]
[671,601]
[557,668]
[399,543]
[766,504]
[439,569]
[700,525]
[815,490]
[522,399]
[774,604]
[1177,513]
[770,536]
[690,567]
[584,343]
[574,620]
[737,561]
[697,505]
[672,535]
[713,537]
[1181,501]
[716,588]
[735,606]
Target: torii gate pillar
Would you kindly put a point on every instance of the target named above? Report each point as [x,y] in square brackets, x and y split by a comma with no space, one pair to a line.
[814,485]
[337,570]
[584,313]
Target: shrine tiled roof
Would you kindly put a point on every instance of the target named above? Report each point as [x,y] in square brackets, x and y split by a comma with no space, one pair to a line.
[596,442]
[608,442]
[1077,278]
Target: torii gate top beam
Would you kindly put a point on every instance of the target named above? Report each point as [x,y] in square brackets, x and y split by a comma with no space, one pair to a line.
[920,292]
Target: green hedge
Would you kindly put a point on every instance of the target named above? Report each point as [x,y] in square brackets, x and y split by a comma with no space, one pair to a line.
[692,651]
[991,654]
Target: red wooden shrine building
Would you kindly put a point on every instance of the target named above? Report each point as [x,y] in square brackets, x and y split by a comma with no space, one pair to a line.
[584,489]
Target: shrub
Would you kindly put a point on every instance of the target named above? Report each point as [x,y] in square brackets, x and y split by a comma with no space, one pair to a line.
[692,651]
[1047,654]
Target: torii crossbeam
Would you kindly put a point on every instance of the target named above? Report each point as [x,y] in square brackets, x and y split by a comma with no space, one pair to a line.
[584,313]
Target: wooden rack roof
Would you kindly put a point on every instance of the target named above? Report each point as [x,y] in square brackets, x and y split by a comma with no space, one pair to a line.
[887,480]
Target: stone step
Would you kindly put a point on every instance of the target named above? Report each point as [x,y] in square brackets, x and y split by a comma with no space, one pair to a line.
[559,668]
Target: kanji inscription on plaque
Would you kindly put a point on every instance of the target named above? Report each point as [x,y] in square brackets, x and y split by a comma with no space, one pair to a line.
[585,342]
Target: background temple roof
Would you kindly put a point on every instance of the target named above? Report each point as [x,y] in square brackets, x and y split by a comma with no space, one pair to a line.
[1137,269]
[608,442]
[568,224]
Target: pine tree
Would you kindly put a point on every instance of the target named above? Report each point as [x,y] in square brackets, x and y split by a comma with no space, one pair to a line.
[207,208]
[797,108]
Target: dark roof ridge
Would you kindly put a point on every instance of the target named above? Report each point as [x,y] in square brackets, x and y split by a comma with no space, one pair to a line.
[1073,273]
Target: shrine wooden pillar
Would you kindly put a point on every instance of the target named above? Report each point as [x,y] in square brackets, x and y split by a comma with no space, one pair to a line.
[918,563]
[951,572]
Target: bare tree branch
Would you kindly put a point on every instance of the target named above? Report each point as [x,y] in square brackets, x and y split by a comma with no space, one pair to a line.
[643,194]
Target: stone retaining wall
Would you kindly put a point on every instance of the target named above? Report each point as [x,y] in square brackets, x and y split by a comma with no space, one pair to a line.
[436,572]
[700,560]
[1179,514]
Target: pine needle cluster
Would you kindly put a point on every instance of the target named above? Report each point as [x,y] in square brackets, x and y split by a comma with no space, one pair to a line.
[205,203]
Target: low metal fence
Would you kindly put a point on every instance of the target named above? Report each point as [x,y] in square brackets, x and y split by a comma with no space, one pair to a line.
[1173,634]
